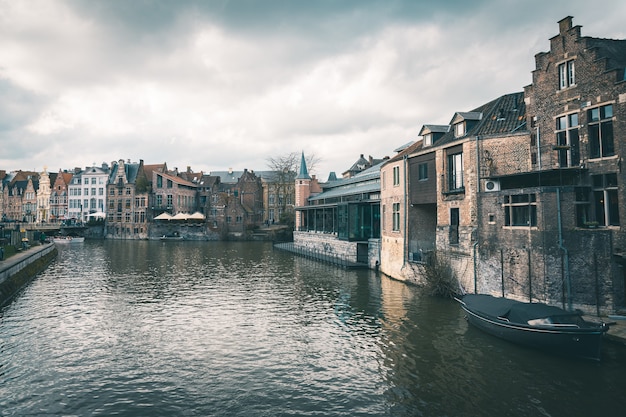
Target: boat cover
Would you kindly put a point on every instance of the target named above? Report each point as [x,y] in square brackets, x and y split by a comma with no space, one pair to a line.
[514,311]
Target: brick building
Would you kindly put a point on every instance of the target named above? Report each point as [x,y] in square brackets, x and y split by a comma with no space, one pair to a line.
[128,193]
[527,197]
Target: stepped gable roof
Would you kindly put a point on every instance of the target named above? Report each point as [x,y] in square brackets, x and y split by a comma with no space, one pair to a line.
[67,177]
[131,169]
[504,115]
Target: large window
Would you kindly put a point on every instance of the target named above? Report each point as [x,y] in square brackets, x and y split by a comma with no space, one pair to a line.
[520,210]
[455,172]
[567,74]
[605,199]
[567,140]
[600,121]
[354,221]
[396,217]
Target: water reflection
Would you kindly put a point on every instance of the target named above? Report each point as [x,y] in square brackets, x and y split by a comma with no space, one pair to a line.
[229,329]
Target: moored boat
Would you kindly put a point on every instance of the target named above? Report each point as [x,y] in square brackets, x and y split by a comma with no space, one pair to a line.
[536,325]
[68,239]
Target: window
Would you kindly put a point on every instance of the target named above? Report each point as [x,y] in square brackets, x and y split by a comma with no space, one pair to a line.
[169,183]
[396,175]
[428,139]
[396,217]
[567,75]
[520,210]
[459,129]
[159,181]
[170,200]
[159,200]
[605,199]
[455,172]
[567,140]
[423,172]
[600,121]
[454,226]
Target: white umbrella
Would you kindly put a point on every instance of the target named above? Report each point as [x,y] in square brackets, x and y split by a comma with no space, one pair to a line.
[197,216]
[163,216]
[180,216]
[99,215]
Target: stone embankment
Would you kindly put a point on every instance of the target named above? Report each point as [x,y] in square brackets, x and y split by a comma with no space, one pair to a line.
[21,268]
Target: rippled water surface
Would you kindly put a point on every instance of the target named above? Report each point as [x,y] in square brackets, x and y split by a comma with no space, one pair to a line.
[238,329]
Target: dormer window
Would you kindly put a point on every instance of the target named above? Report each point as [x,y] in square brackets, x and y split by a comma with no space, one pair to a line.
[428,139]
[459,129]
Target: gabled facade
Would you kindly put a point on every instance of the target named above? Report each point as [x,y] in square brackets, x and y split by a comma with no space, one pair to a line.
[236,203]
[59,197]
[43,198]
[128,193]
[19,196]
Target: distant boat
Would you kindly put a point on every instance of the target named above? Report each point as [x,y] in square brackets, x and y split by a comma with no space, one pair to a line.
[536,325]
[68,239]
[174,237]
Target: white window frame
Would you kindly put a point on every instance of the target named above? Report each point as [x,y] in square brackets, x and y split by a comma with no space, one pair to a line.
[567,74]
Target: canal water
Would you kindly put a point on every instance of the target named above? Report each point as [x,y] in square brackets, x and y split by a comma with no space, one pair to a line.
[239,329]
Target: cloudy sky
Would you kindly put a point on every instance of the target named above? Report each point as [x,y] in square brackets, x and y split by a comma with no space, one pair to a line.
[227,84]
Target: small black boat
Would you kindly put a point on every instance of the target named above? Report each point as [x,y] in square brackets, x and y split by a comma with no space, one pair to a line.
[536,325]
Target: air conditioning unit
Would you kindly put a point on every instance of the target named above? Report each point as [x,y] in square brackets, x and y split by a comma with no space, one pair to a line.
[492,185]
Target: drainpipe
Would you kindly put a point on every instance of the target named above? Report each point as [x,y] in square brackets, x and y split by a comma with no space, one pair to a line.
[405,244]
[538,149]
[568,283]
[475,245]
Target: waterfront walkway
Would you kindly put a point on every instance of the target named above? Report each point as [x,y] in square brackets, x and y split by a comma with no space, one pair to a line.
[8,263]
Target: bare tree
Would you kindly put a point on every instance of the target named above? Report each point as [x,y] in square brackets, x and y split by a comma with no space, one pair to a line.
[291,162]
[285,168]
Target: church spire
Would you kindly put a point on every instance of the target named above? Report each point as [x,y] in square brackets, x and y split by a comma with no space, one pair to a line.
[304,173]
